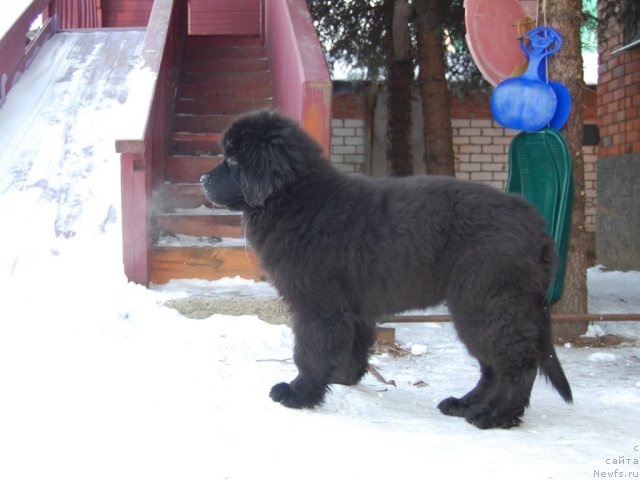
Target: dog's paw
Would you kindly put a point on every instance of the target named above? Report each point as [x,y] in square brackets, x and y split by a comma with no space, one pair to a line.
[287,396]
[483,418]
[453,407]
[281,392]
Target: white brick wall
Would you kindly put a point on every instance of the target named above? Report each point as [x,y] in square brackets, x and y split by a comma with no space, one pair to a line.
[481,149]
[348,145]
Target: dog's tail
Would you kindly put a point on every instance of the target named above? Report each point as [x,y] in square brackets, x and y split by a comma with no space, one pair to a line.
[549,363]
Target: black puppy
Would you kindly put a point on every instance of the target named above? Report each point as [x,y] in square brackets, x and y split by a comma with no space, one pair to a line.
[345,250]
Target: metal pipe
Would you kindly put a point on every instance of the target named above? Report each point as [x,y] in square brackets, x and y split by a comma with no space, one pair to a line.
[560,318]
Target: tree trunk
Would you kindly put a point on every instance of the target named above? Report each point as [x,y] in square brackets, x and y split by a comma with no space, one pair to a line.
[436,115]
[566,67]
[399,83]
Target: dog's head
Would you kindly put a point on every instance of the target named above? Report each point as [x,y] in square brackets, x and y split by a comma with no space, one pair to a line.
[262,153]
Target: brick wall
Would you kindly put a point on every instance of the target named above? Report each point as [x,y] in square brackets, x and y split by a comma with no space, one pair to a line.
[348,145]
[618,166]
[618,95]
[480,146]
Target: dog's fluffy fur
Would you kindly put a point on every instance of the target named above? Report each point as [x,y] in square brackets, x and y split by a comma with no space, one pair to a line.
[345,250]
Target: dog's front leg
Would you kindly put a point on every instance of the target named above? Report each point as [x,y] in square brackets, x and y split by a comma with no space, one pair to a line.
[322,344]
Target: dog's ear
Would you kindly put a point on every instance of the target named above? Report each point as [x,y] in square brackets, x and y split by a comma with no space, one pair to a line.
[266,169]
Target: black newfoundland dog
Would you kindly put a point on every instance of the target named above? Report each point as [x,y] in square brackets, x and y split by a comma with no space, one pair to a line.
[345,250]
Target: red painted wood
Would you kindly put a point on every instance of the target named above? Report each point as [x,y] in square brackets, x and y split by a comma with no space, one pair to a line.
[301,80]
[241,79]
[222,65]
[232,87]
[234,41]
[79,14]
[221,105]
[190,143]
[143,154]
[225,17]
[189,168]
[126,13]
[135,215]
[202,123]
[14,53]
[213,50]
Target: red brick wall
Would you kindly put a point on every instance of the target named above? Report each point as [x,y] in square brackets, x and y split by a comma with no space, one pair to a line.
[348,105]
[618,96]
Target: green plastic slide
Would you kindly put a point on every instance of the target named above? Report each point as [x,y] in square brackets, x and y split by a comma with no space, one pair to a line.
[540,170]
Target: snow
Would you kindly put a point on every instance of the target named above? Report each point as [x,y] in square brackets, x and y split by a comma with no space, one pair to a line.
[99,380]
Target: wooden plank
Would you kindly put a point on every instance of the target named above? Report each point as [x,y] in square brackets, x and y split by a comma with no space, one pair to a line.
[169,263]
[238,87]
[385,336]
[189,168]
[213,50]
[14,57]
[225,105]
[214,41]
[224,226]
[225,17]
[201,123]
[135,234]
[190,143]
[126,13]
[243,79]
[179,195]
[224,65]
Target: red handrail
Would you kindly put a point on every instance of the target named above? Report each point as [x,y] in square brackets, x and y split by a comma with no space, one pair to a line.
[301,80]
[143,147]
[15,53]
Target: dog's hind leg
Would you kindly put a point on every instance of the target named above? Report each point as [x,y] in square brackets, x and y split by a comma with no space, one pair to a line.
[504,403]
[323,344]
[457,407]
[502,334]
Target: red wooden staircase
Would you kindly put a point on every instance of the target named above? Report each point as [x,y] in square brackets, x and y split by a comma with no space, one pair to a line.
[201,84]
[221,77]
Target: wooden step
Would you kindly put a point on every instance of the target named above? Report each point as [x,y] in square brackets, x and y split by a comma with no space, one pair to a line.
[170,196]
[246,79]
[237,51]
[209,263]
[201,123]
[221,105]
[189,168]
[195,42]
[228,226]
[222,77]
[235,87]
[196,143]
[224,65]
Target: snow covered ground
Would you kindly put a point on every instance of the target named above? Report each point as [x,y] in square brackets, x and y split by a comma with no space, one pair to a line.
[98,380]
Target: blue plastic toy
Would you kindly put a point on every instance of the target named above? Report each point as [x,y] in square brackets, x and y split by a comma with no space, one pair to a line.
[530,103]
